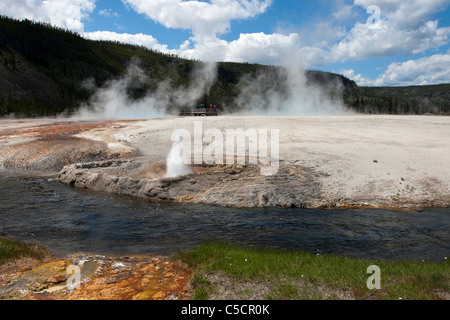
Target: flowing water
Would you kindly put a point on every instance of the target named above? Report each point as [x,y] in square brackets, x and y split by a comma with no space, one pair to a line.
[68,220]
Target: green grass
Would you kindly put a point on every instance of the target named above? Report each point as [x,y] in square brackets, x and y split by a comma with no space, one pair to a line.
[13,250]
[300,275]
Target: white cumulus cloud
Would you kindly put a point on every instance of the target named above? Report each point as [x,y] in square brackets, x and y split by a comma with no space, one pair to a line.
[67,14]
[139,39]
[404,28]
[206,21]
[406,13]
[264,48]
[358,78]
[434,69]
[364,42]
[428,70]
[203,18]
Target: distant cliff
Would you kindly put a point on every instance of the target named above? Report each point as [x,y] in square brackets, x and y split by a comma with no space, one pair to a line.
[44,71]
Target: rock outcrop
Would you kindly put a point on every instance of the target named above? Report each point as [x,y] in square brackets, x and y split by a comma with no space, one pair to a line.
[236,185]
[96,278]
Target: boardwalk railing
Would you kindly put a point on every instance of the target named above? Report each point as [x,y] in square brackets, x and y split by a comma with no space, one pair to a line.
[199,113]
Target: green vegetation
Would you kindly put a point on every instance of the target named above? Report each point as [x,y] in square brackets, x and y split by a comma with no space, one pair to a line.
[44,71]
[433,99]
[299,275]
[13,250]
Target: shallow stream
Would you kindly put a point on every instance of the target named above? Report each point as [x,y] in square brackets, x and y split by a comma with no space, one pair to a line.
[68,221]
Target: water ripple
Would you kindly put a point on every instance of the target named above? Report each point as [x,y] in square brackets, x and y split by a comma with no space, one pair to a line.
[68,220]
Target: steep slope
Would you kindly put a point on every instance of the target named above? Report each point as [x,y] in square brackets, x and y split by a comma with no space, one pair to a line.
[45,71]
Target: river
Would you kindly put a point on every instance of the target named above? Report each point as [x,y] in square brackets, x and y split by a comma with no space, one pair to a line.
[70,221]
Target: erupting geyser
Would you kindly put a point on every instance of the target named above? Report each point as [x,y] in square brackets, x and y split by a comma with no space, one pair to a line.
[175,161]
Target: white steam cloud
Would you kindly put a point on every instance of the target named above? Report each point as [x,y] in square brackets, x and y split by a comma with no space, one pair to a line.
[113,101]
[293,95]
[275,91]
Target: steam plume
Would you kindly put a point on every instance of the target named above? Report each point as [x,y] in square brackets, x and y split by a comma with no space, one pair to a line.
[114,102]
[275,91]
[291,95]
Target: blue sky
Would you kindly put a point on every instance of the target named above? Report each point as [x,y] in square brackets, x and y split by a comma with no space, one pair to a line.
[406,42]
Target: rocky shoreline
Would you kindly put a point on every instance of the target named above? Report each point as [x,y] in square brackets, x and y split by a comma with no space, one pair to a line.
[236,185]
[230,186]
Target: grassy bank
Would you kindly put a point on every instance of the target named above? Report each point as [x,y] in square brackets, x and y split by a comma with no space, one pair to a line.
[13,250]
[284,275]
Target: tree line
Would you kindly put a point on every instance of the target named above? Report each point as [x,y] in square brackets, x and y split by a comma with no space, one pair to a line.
[44,70]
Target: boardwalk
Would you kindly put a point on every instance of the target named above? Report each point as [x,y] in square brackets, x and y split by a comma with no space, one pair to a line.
[199,113]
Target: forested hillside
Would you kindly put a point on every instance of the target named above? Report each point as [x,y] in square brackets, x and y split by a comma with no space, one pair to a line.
[403,100]
[45,71]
